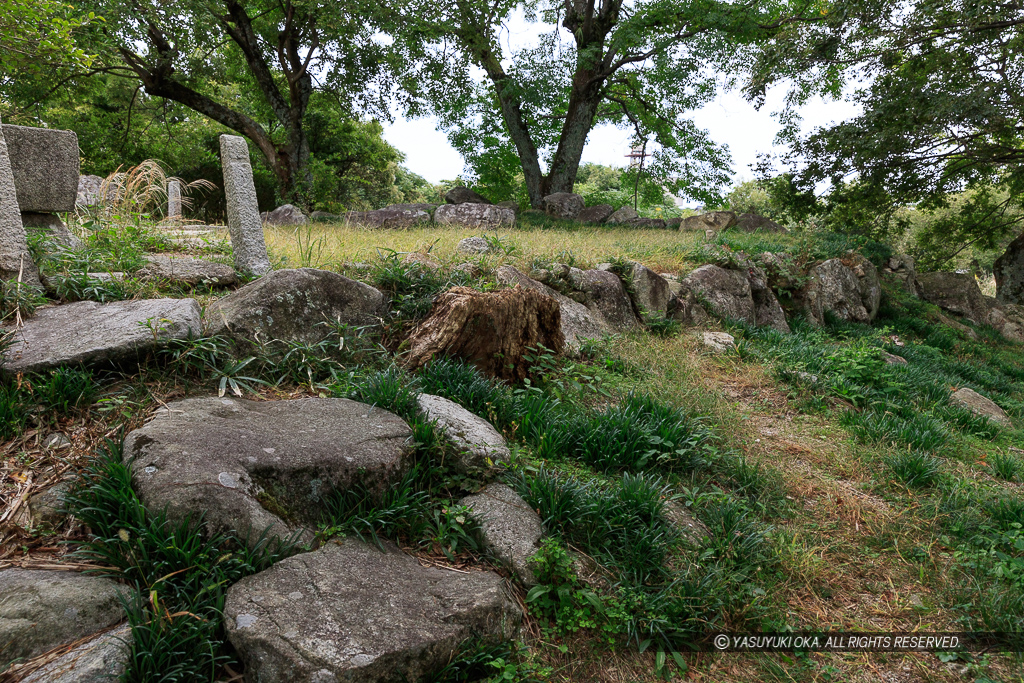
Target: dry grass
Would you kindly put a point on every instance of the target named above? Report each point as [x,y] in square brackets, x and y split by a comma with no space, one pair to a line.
[329,245]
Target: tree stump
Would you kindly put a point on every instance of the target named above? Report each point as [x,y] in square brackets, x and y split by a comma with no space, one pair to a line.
[489,330]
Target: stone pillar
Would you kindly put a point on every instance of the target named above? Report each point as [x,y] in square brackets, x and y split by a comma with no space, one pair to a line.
[14,256]
[244,222]
[173,199]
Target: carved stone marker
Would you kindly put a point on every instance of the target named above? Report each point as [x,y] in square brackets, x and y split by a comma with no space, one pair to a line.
[14,256]
[173,199]
[243,211]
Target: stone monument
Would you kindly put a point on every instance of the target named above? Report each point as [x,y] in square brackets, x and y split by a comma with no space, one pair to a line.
[244,223]
[15,260]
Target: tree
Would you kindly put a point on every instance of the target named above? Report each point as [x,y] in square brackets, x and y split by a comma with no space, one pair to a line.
[641,64]
[250,65]
[941,87]
[36,34]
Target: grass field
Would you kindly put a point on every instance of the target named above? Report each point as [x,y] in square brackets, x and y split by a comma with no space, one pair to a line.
[860,500]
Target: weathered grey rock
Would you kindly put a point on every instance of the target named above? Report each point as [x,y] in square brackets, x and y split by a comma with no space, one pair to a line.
[90,191]
[470,269]
[47,507]
[90,332]
[605,295]
[244,221]
[286,215]
[463,195]
[473,245]
[251,466]
[293,305]
[1007,318]
[714,220]
[510,204]
[1009,272]
[389,218]
[99,660]
[578,322]
[689,526]
[57,234]
[44,162]
[955,292]
[595,215]
[893,359]
[718,342]
[474,215]
[835,287]
[767,310]
[15,261]
[624,215]
[980,405]
[422,206]
[423,261]
[173,199]
[511,529]
[650,291]
[684,306]
[752,222]
[40,610]
[649,223]
[479,444]
[726,291]
[901,268]
[350,612]
[188,271]
[869,282]
[323,217]
[565,205]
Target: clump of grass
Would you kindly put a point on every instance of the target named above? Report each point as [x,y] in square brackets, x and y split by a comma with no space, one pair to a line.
[399,514]
[390,389]
[915,469]
[179,572]
[66,389]
[14,411]
[1005,466]
[918,430]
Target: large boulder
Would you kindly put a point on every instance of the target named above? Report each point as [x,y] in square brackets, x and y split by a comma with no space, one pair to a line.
[45,166]
[251,466]
[352,612]
[577,321]
[475,215]
[980,405]
[463,195]
[902,270]
[850,293]
[40,610]
[324,217]
[90,190]
[91,332]
[511,529]
[767,310]
[183,270]
[595,215]
[955,292]
[389,218]
[563,205]
[624,215]
[479,445]
[685,308]
[293,305]
[714,220]
[285,215]
[651,292]
[100,659]
[420,206]
[605,296]
[727,292]
[1009,272]
[752,222]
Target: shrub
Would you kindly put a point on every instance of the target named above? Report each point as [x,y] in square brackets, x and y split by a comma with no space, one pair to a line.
[914,468]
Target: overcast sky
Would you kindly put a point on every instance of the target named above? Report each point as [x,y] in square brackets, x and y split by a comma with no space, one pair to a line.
[729,118]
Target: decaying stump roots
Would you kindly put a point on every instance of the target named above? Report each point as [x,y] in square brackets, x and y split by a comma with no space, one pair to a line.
[490,330]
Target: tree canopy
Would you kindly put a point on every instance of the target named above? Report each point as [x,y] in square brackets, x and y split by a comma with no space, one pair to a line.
[37,34]
[940,86]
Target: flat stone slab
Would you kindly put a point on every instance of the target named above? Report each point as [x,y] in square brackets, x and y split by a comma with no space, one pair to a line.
[45,166]
[41,610]
[479,443]
[188,271]
[258,465]
[350,612]
[980,405]
[99,660]
[511,529]
[294,305]
[91,332]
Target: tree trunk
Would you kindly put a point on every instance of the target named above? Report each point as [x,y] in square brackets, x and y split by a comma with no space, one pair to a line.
[492,330]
